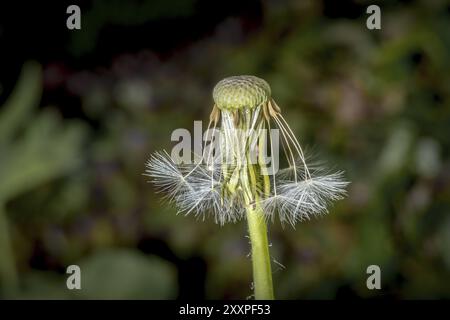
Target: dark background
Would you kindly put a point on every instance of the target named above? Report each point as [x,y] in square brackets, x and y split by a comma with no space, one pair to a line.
[84,109]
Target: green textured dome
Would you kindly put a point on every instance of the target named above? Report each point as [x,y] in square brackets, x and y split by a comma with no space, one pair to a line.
[240,92]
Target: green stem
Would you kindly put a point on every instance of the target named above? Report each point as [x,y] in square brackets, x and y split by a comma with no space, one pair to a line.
[262,273]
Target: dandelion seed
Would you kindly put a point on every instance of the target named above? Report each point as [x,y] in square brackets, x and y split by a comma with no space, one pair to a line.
[236,182]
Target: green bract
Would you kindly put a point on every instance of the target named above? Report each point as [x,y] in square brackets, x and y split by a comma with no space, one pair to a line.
[239,92]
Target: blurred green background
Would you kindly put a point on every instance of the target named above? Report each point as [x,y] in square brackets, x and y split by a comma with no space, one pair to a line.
[83,110]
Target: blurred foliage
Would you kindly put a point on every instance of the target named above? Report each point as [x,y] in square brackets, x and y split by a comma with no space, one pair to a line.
[123,274]
[374,103]
[33,150]
[112,274]
[119,13]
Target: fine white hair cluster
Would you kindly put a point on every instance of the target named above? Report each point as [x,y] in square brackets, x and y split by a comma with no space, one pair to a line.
[228,182]
[193,188]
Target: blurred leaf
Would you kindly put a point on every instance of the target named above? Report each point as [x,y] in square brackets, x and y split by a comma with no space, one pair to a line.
[40,285]
[23,99]
[124,13]
[44,150]
[126,274]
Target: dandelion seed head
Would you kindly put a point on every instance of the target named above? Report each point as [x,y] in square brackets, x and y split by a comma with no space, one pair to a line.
[225,184]
[239,92]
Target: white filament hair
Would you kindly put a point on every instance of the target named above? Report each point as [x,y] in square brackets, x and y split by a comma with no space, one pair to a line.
[194,189]
[297,201]
[272,205]
[206,196]
[297,193]
[166,175]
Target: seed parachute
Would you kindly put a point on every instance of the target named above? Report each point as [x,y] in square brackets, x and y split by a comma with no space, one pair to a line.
[239,170]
